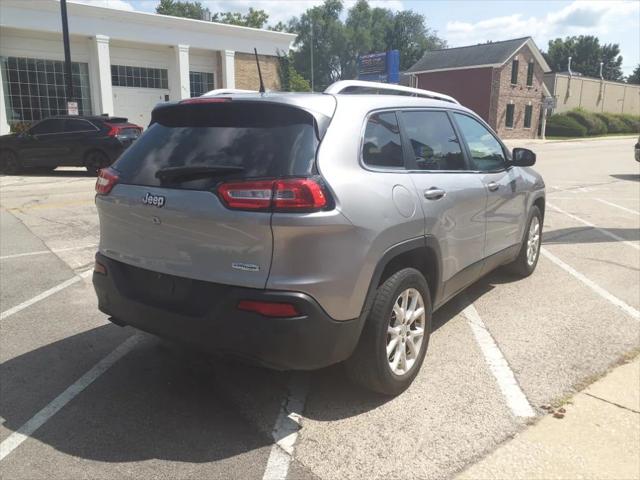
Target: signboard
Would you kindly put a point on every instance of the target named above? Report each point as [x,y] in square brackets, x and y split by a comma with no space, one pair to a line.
[549,103]
[72,108]
[380,67]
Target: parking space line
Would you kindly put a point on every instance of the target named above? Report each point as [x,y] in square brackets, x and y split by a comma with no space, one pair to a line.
[628,210]
[42,252]
[285,430]
[592,285]
[14,440]
[513,394]
[45,294]
[604,231]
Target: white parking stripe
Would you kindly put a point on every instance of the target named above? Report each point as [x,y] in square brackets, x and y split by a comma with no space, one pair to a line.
[42,252]
[25,431]
[592,285]
[513,394]
[611,204]
[604,231]
[285,431]
[45,294]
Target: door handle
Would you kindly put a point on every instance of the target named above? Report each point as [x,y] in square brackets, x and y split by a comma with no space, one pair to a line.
[493,186]
[434,193]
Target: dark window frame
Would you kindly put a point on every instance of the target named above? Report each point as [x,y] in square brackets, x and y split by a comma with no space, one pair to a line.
[530,71]
[507,123]
[515,65]
[528,115]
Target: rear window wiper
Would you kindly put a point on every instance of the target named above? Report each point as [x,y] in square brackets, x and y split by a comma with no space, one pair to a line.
[196,171]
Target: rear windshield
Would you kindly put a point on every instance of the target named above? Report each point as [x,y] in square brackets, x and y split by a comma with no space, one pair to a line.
[260,140]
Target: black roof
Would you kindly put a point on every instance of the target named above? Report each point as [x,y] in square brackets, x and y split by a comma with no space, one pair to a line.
[482,54]
[99,118]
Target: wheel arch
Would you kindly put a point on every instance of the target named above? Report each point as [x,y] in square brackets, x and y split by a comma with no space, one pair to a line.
[421,253]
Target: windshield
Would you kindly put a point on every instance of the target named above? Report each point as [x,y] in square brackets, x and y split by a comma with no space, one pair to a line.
[260,140]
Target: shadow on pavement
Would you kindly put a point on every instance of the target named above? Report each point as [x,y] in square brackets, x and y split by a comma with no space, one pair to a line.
[573,235]
[634,177]
[158,402]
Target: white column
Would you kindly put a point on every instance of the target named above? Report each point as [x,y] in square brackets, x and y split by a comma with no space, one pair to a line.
[103,58]
[228,68]
[4,123]
[180,86]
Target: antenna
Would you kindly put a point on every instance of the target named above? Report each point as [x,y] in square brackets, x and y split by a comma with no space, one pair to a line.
[255,51]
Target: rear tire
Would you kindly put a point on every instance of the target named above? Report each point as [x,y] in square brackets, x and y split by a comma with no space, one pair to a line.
[96,161]
[396,332]
[527,259]
[9,163]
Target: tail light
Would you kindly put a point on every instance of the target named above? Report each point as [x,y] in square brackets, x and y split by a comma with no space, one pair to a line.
[269,309]
[107,179]
[293,194]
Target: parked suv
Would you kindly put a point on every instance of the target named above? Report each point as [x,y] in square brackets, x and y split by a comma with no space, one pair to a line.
[69,141]
[302,230]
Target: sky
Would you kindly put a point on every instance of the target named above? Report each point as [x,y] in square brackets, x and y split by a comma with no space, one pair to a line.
[467,22]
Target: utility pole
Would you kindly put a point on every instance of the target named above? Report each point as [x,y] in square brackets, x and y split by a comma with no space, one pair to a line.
[72,107]
[312,89]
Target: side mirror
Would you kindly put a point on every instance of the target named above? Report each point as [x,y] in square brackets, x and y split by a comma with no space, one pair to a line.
[522,157]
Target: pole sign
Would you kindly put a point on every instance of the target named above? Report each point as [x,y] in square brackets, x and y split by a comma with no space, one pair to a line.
[380,67]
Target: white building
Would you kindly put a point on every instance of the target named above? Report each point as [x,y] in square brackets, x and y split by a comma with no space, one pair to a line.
[123,62]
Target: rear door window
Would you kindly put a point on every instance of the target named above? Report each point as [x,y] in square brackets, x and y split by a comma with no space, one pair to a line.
[45,127]
[243,139]
[78,126]
[433,141]
[382,146]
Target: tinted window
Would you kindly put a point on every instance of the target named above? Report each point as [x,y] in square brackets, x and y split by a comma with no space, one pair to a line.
[47,126]
[434,141]
[486,151]
[78,126]
[266,141]
[382,146]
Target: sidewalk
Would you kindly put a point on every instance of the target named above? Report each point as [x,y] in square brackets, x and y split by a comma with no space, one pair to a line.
[598,438]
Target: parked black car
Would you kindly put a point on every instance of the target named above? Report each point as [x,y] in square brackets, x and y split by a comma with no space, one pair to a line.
[69,141]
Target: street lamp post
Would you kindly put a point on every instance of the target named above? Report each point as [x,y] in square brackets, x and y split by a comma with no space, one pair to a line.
[72,107]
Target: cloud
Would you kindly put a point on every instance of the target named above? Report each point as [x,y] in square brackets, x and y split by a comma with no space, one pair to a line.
[116,4]
[579,17]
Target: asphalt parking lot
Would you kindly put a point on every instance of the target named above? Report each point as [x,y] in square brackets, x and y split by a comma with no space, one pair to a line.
[81,398]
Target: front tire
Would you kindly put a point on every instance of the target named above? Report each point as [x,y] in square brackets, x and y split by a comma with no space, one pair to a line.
[395,336]
[526,261]
[9,163]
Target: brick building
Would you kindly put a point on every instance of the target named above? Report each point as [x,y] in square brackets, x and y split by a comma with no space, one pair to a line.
[501,81]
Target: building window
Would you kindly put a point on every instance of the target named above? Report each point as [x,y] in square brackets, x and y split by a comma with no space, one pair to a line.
[510,114]
[139,77]
[35,89]
[528,111]
[514,72]
[200,83]
[530,74]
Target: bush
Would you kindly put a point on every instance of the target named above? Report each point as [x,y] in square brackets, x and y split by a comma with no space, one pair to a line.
[590,121]
[561,125]
[632,122]
[613,122]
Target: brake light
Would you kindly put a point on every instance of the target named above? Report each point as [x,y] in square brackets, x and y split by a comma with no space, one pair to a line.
[107,179]
[293,194]
[113,130]
[205,100]
[269,309]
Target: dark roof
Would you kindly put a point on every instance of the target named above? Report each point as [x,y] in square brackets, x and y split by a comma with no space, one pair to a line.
[495,53]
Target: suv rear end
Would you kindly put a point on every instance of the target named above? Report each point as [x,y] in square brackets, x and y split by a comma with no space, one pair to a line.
[187,233]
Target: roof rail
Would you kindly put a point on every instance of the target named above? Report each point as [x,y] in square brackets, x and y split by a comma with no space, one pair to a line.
[381,88]
[226,91]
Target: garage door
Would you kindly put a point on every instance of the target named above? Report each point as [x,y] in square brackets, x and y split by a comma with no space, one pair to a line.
[136,103]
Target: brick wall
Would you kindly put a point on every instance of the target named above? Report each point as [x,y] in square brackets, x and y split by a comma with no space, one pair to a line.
[247,72]
[519,95]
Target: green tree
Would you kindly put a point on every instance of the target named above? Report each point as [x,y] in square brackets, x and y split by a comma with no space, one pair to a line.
[586,54]
[290,79]
[635,76]
[254,18]
[184,8]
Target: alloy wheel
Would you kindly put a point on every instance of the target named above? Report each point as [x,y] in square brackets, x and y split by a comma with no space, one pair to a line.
[405,333]
[533,241]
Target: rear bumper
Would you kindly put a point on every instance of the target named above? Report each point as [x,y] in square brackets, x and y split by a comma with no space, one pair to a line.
[205,315]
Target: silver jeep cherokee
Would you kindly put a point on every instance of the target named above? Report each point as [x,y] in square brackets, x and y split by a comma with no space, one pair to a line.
[302,230]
